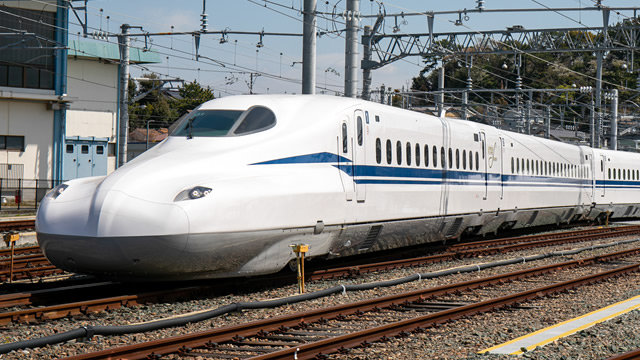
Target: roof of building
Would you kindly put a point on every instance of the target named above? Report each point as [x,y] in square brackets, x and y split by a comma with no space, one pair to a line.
[110,51]
[155,135]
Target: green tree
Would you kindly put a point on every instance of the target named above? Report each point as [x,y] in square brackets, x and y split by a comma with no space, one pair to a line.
[158,108]
[192,94]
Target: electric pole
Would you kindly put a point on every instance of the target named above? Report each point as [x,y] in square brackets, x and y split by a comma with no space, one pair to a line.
[351,53]
[124,41]
[309,48]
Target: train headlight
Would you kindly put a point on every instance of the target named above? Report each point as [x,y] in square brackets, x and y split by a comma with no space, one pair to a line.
[57,191]
[193,193]
[198,192]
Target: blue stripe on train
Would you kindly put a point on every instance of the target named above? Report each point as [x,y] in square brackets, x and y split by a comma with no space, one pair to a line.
[369,174]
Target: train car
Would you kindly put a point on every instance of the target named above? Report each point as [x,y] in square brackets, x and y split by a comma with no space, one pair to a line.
[243,178]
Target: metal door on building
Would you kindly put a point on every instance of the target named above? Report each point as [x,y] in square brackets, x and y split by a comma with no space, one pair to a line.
[84,157]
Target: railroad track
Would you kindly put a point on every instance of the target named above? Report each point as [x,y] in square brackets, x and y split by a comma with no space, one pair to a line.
[91,298]
[17,225]
[30,263]
[631,355]
[317,333]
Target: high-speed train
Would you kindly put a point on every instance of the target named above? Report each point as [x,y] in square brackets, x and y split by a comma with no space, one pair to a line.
[243,178]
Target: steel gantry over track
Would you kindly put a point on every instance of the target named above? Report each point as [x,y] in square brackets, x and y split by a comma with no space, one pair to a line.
[389,48]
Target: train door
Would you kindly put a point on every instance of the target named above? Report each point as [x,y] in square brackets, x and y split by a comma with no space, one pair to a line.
[444,164]
[501,152]
[485,161]
[345,165]
[601,178]
[359,155]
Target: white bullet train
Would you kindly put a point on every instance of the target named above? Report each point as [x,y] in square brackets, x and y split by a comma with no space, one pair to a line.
[242,178]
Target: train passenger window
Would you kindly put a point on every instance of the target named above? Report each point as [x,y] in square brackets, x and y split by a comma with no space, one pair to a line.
[619,174]
[628,174]
[359,129]
[426,156]
[609,173]
[257,118]
[457,159]
[435,156]
[528,167]
[601,165]
[470,160]
[517,168]
[84,149]
[624,175]
[389,156]
[537,167]
[409,153]
[464,159]
[417,154]
[450,158]
[443,158]
[378,151]
[69,149]
[399,152]
[638,174]
[477,162]
[522,162]
[345,141]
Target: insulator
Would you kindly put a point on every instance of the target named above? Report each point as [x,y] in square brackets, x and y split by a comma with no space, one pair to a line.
[480,5]
[204,20]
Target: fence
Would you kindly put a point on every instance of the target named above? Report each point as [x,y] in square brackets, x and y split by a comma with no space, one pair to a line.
[22,194]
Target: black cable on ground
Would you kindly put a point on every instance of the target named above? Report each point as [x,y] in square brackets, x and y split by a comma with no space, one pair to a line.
[87,332]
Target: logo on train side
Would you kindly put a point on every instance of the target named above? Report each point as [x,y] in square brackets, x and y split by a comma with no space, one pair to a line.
[491,151]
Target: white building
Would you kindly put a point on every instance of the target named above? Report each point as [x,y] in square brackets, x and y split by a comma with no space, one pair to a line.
[92,116]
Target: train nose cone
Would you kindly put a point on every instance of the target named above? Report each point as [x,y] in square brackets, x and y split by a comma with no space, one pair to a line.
[117,235]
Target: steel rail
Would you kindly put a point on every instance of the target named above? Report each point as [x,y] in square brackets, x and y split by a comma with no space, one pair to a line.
[473,252]
[56,311]
[402,328]
[20,251]
[631,355]
[519,239]
[226,334]
[10,225]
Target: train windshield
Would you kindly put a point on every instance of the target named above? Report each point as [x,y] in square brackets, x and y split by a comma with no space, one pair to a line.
[207,123]
[217,123]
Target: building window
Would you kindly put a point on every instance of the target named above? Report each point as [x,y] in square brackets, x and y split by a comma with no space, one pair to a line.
[69,149]
[34,66]
[9,142]
[84,149]
[99,149]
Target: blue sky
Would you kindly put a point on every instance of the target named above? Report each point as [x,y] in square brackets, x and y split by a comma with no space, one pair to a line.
[280,56]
